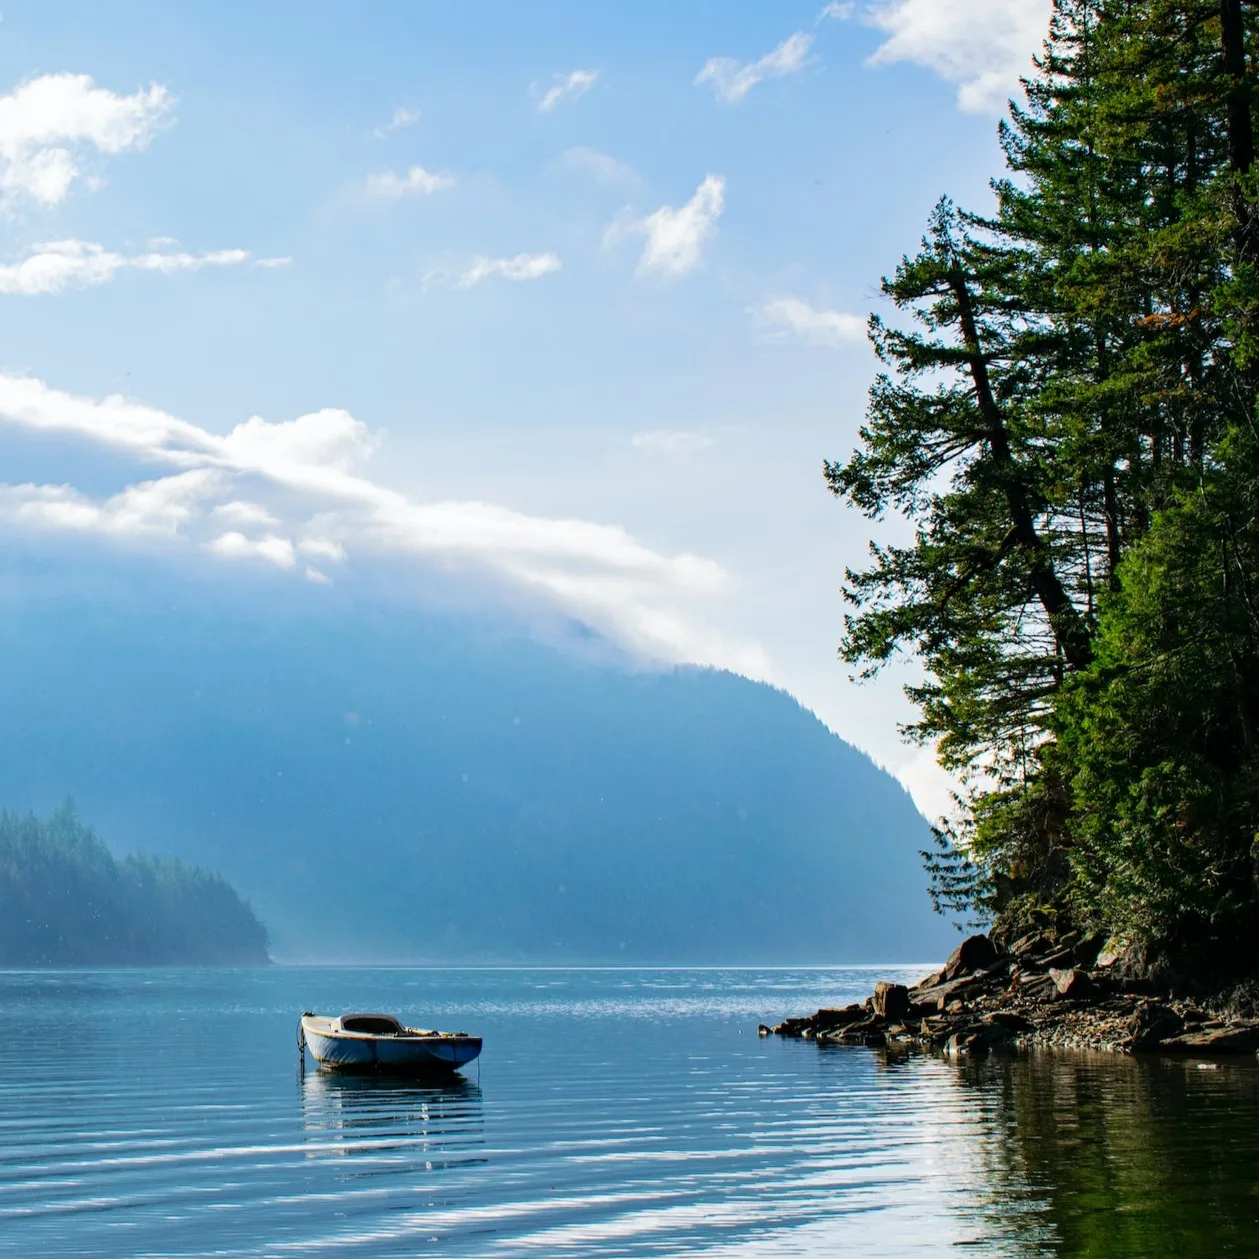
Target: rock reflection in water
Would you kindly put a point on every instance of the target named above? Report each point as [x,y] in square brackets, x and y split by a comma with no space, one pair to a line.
[1100,1154]
[392,1126]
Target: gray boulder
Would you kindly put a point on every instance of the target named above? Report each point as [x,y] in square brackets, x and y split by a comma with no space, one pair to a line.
[1073,982]
[1151,1023]
[891,1001]
[974,953]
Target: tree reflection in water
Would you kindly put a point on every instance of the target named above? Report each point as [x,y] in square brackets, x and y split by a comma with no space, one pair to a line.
[1103,1155]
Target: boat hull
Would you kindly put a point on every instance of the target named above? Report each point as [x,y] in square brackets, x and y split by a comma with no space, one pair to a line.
[419,1055]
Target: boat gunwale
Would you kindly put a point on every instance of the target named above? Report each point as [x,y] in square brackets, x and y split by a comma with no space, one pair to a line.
[407,1034]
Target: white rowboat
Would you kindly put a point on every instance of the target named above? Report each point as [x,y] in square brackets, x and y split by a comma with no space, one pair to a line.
[379,1042]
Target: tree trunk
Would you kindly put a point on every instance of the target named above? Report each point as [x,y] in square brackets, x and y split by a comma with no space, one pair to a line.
[1241,128]
[1073,636]
[1241,131]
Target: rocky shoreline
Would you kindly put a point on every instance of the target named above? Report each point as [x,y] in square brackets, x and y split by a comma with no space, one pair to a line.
[1040,991]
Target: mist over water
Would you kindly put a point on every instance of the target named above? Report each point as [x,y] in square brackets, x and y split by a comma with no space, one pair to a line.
[614,1112]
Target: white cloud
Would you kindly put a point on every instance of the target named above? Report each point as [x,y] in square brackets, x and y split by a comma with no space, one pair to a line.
[521,267]
[240,513]
[273,263]
[323,548]
[327,441]
[417,182]
[61,264]
[607,170]
[169,264]
[670,442]
[45,120]
[273,549]
[676,235]
[148,508]
[984,46]
[732,80]
[305,479]
[573,85]
[401,117]
[837,11]
[818,327]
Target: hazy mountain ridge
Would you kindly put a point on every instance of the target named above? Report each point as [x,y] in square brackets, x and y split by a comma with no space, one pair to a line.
[67,902]
[388,783]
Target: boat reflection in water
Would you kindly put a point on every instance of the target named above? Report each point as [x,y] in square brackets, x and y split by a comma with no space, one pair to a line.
[390,1126]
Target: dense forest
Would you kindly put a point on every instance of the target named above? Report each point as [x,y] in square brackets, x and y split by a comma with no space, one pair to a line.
[1066,416]
[65,901]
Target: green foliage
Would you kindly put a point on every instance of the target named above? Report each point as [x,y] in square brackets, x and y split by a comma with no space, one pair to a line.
[958,885]
[1161,736]
[65,901]
[1070,428]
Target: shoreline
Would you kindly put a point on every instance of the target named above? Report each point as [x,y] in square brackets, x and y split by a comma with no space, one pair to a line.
[1038,993]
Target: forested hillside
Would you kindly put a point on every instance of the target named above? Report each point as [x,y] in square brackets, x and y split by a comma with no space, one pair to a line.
[1067,416]
[65,901]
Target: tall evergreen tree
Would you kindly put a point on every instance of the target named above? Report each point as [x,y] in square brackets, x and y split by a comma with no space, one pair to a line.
[1071,430]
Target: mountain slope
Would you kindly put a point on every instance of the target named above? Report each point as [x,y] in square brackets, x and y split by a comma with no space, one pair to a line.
[386,783]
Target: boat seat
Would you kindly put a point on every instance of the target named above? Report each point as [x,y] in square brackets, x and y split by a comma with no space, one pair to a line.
[373,1024]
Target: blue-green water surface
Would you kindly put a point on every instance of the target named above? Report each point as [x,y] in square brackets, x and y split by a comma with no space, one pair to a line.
[614,1112]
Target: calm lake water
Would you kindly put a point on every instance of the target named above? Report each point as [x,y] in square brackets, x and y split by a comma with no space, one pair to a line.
[161,1112]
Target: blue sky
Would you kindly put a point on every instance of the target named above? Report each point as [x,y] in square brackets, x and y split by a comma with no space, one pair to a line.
[565,303]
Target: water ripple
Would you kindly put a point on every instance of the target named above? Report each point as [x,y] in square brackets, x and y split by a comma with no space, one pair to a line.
[616,1114]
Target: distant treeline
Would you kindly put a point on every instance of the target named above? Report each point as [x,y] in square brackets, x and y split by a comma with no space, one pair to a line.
[65,901]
